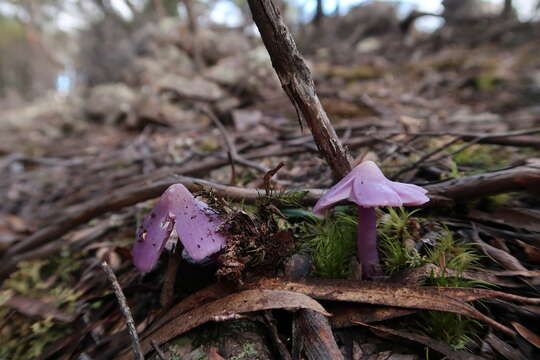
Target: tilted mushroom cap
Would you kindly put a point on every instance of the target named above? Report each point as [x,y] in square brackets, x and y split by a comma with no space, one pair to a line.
[367,186]
[195,223]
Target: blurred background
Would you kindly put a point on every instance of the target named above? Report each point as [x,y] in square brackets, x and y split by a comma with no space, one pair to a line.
[60,46]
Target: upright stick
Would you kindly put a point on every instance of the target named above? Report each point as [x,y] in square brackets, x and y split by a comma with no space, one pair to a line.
[297,82]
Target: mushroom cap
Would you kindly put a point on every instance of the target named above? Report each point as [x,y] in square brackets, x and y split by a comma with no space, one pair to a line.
[367,186]
[194,221]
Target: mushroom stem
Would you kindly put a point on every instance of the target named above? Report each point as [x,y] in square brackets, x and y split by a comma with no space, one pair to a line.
[366,246]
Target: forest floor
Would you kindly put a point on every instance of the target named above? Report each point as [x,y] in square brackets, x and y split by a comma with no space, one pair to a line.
[462,273]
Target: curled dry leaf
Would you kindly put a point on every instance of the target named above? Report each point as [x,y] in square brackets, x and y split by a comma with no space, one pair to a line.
[501,257]
[413,297]
[527,334]
[532,252]
[211,293]
[241,302]
[427,341]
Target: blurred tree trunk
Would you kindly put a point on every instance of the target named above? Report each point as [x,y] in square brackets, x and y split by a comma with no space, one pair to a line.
[160,9]
[508,10]
[194,30]
[319,13]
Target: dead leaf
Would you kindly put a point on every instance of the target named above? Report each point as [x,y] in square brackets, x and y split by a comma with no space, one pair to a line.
[224,308]
[527,334]
[345,315]
[16,223]
[382,293]
[414,297]
[419,274]
[503,348]
[509,273]
[532,252]
[424,340]
[211,293]
[527,219]
[37,308]
[501,257]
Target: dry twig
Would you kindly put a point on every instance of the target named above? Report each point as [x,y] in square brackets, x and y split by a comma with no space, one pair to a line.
[297,83]
[125,310]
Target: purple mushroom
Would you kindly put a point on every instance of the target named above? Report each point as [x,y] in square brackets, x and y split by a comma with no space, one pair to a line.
[195,223]
[367,186]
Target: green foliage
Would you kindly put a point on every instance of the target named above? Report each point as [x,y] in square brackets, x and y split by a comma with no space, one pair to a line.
[333,243]
[392,233]
[453,329]
[486,81]
[456,330]
[480,156]
[450,254]
[398,252]
[49,280]
[289,199]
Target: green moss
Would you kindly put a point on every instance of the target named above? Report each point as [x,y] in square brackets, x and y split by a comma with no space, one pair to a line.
[491,203]
[450,254]
[290,199]
[481,156]
[333,243]
[453,329]
[486,81]
[25,338]
[393,233]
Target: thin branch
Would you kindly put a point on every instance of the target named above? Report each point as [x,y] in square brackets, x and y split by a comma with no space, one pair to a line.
[137,351]
[229,141]
[425,157]
[297,82]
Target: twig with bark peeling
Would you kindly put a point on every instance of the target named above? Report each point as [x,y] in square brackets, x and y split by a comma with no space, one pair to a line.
[297,82]
[137,351]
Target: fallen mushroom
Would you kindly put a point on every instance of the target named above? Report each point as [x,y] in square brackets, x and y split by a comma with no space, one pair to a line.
[194,221]
[367,186]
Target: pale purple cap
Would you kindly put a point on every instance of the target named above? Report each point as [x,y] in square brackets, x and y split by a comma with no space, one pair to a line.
[195,223]
[367,186]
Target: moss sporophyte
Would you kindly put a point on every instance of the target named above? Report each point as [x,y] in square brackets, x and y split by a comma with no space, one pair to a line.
[368,188]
